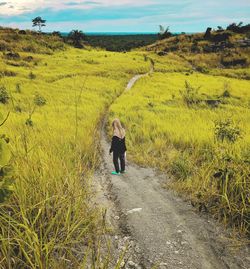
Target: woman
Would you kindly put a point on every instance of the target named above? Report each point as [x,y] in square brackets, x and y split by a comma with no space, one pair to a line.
[118,147]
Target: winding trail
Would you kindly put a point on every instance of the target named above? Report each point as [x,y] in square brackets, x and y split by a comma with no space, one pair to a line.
[167,231]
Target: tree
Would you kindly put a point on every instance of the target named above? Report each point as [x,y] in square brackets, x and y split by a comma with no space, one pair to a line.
[56,33]
[38,22]
[164,33]
[77,37]
[220,29]
[208,33]
[237,28]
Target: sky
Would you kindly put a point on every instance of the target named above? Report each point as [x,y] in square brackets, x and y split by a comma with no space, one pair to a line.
[124,15]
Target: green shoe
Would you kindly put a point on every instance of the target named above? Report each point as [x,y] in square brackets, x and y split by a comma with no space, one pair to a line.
[123,172]
[115,173]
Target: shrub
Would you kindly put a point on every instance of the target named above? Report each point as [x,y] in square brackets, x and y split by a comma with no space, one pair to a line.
[190,95]
[39,100]
[4,96]
[233,60]
[227,88]
[4,45]
[225,130]
[7,73]
[202,69]
[180,168]
[18,109]
[32,75]
[12,56]
[28,59]
[29,122]
[29,48]
[226,94]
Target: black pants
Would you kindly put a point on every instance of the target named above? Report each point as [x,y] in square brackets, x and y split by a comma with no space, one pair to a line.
[116,158]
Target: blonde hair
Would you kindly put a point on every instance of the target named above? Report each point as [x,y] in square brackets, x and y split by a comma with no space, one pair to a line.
[118,129]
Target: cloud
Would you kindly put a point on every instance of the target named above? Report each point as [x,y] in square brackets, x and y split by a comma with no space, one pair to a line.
[3,3]
[35,5]
[83,3]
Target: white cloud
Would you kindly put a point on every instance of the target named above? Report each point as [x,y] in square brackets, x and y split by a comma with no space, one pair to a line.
[18,7]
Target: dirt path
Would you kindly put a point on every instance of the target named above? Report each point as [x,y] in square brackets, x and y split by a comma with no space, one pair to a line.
[164,230]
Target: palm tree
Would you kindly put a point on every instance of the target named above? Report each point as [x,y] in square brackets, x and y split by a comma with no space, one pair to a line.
[164,33]
[77,36]
[38,22]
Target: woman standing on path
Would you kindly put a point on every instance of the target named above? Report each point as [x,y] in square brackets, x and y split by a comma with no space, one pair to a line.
[118,147]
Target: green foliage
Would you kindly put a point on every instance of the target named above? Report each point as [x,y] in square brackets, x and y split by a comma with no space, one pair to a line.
[226,130]
[4,95]
[77,37]
[38,22]
[121,43]
[164,33]
[239,28]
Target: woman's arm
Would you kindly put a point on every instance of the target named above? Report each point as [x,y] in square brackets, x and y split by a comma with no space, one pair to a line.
[112,145]
[125,144]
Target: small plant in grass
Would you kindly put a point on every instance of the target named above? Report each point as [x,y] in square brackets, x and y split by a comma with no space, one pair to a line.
[18,88]
[6,177]
[18,109]
[226,93]
[32,75]
[190,95]
[29,122]
[226,130]
[4,95]
[31,109]
[39,100]
[180,168]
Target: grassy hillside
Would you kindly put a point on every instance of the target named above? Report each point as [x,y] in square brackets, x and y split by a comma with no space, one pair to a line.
[29,41]
[196,128]
[56,103]
[220,53]
[193,126]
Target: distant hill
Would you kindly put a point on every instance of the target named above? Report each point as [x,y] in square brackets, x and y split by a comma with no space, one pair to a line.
[215,48]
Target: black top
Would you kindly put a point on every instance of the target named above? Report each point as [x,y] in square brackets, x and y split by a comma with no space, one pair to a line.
[118,145]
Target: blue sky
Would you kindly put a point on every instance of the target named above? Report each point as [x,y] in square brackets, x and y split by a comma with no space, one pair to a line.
[124,15]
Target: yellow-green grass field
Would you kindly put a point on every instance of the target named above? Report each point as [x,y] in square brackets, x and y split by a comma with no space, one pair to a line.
[56,103]
[172,126]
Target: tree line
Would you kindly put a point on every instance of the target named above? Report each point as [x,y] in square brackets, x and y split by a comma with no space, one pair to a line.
[77,37]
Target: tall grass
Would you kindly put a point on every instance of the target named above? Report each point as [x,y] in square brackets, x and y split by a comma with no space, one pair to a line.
[178,135]
[50,220]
